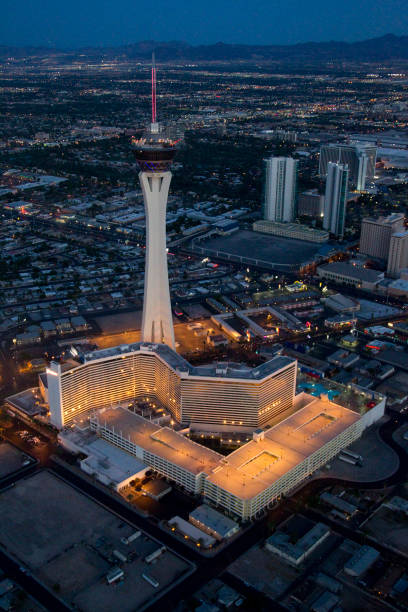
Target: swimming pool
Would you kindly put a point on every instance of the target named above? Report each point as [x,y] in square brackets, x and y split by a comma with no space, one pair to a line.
[317,389]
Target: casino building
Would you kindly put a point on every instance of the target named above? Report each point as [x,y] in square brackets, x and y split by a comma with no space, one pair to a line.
[292,435]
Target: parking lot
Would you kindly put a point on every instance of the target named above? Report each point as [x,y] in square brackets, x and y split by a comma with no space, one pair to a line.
[379,461]
[190,337]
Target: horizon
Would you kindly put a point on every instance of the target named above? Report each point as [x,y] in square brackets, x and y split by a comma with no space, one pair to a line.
[99,23]
[189,44]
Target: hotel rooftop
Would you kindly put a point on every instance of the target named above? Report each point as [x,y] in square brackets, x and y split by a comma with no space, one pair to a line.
[161,441]
[178,363]
[258,464]
[254,466]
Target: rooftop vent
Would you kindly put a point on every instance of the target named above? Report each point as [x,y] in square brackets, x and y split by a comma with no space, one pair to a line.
[221,370]
[258,435]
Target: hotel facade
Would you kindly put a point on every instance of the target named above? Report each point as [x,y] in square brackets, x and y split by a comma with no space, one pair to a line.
[228,396]
[292,435]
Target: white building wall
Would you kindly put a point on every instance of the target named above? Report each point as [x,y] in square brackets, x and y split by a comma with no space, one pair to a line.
[398,254]
[249,508]
[280,189]
[363,161]
[374,414]
[222,496]
[189,480]
[212,400]
[55,395]
[157,320]
[335,198]
[376,234]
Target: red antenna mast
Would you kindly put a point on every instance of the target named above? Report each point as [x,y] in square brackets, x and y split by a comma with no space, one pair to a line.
[154,113]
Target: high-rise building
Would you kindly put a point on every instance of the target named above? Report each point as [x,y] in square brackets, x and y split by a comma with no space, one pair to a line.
[280,189]
[376,234]
[335,198]
[398,254]
[154,153]
[362,171]
[285,135]
[214,396]
[360,159]
[311,203]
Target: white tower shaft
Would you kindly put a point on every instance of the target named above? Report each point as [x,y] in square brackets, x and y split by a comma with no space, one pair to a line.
[157,322]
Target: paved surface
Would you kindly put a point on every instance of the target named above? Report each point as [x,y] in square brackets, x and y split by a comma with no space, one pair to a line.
[272,249]
[379,460]
[398,437]
[120,322]
[187,340]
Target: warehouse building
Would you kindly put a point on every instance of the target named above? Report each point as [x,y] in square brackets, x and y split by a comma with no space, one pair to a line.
[349,274]
[292,549]
[215,523]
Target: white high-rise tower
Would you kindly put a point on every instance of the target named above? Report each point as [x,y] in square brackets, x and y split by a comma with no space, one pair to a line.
[398,254]
[154,153]
[335,198]
[280,189]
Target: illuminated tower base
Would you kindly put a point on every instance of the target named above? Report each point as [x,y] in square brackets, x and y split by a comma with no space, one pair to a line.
[157,322]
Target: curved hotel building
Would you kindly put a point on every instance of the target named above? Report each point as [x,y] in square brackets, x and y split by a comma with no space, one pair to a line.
[219,396]
[292,436]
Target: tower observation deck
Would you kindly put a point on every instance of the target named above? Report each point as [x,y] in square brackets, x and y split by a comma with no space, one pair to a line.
[154,152]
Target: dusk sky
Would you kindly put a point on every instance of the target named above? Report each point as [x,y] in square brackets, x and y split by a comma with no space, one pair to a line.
[114,22]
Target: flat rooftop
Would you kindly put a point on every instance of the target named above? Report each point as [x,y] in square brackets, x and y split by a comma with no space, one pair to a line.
[11,459]
[161,441]
[112,461]
[290,227]
[213,519]
[374,310]
[356,272]
[254,245]
[240,371]
[256,465]
[385,220]
[165,352]
[394,357]
[77,557]
[28,401]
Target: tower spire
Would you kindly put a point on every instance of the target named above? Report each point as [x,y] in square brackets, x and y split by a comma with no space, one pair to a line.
[154,152]
[154,124]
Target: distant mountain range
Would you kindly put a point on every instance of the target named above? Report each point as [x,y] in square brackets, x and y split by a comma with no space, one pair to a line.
[388,47]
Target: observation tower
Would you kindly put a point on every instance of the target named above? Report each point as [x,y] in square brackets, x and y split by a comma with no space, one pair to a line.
[154,153]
